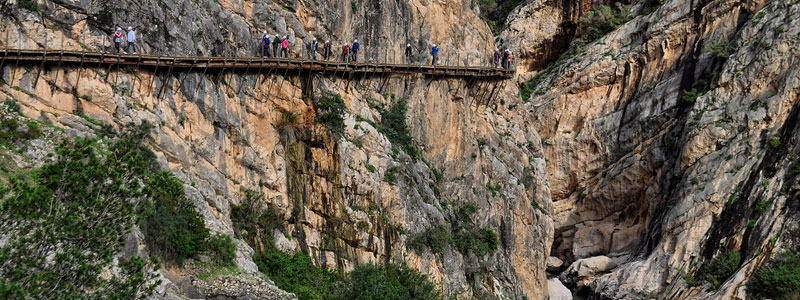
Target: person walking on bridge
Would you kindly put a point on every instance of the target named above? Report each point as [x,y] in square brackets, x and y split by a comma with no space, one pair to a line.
[118,35]
[355,48]
[434,54]
[265,41]
[326,50]
[510,62]
[497,56]
[312,51]
[131,41]
[504,62]
[345,52]
[285,47]
[276,43]
[408,54]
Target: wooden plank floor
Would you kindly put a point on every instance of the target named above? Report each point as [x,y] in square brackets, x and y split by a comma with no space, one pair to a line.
[245,64]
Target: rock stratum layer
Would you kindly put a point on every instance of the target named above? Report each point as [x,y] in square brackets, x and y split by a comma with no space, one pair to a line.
[636,159]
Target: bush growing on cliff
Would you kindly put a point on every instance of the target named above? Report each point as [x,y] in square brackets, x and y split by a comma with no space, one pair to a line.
[778,280]
[597,23]
[253,220]
[297,273]
[394,126]
[67,220]
[469,237]
[435,237]
[721,267]
[330,112]
[387,281]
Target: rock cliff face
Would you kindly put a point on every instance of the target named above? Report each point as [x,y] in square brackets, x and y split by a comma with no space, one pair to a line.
[636,159]
[663,136]
[225,133]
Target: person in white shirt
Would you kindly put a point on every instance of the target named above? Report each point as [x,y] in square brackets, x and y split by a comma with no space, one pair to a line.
[131,41]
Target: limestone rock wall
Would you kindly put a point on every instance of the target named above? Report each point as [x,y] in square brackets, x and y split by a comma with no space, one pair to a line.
[223,133]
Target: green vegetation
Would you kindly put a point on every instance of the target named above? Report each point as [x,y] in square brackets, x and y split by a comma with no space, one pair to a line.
[722,49]
[69,219]
[721,267]
[468,236]
[778,280]
[391,175]
[254,220]
[495,12]
[90,120]
[597,23]
[389,281]
[29,5]
[435,237]
[288,119]
[354,6]
[296,273]
[12,106]
[331,109]
[370,168]
[13,131]
[396,129]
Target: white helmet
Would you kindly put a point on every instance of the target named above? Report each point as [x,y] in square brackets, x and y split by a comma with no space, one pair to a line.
[315,39]
[130,28]
[119,29]
[356,41]
[496,49]
[345,43]
[408,45]
[284,36]
[327,41]
[265,32]
[276,35]
[434,45]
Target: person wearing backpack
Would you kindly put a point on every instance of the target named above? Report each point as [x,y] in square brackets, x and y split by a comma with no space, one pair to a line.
[355,48]
[265,45]
[504,62]
[118,35]
[312,51]
[496,56]
[131,41]
[434,54]
[285,47]
[326,50]
[510,62]
[345,51]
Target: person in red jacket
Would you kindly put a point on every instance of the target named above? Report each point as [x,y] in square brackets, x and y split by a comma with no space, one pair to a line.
[118,36]
[345,51]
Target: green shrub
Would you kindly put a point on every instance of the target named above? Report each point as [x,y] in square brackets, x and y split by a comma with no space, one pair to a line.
[13,131]
[331,109]
[721,267]
[354,6]
[297,274]
[778,280]
[597,23]
[67,221]
[29,5]
[469,237]
[253,220]
[370,168]
[435,237]
[394,127]
[389,282]
[172,228]
[12,106]
[222,249]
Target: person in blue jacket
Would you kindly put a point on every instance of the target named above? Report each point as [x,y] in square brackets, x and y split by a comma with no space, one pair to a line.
[354,49]
[434,54]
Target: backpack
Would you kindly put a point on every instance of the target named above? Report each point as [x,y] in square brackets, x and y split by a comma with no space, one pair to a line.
[264,41]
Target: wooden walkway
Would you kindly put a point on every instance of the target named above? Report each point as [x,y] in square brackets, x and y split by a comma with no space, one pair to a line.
[246,65]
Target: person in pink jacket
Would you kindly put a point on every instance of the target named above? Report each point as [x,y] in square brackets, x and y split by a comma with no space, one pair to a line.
[285,47]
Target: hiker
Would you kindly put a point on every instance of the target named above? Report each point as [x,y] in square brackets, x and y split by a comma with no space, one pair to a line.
[131,41]
[118,40]
[434,54]
[504,62]
[496,56]
[326,50]
[285,47]
[345,51]
[510,62]
[265,41]
[275,44]
[408,54]
[355,48]
[313,49]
